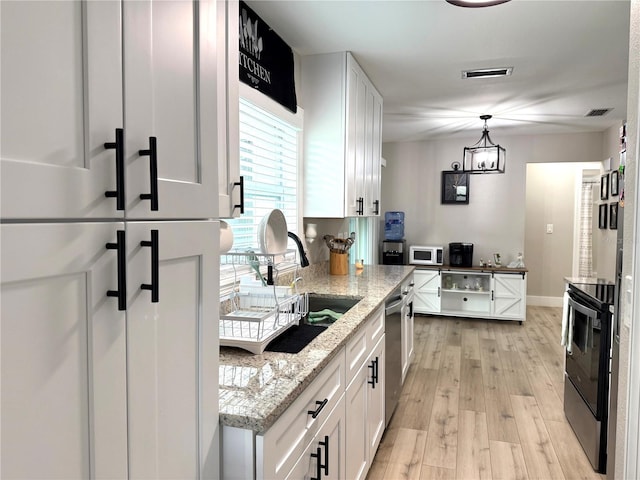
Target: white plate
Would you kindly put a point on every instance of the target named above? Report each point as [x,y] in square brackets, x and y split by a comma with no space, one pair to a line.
[272,233]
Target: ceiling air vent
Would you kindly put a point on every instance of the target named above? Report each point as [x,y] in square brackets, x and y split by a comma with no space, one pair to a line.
[487,72]
[598,112]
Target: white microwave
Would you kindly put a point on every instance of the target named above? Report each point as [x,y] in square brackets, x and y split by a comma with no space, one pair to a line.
[423,255]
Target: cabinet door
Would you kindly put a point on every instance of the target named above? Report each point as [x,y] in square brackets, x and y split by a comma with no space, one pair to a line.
[427,291]
[170,61]
[327,449]
[373,162]
[355,139]
[61,102]
[357,439]
[509,296]
[375,402]
[407,339]
[63,353]
[228,114]
[172,350]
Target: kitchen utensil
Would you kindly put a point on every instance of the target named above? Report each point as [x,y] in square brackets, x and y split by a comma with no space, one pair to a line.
[272,233]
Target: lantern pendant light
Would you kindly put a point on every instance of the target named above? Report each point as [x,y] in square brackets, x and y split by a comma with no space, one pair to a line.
[484,156]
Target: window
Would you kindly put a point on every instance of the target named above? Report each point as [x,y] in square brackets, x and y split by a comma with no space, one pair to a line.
[270,152]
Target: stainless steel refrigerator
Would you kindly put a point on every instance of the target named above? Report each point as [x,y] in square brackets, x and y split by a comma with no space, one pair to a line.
[615,356]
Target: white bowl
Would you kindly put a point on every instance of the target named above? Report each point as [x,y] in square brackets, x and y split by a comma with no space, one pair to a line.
[272,233]
[226,237]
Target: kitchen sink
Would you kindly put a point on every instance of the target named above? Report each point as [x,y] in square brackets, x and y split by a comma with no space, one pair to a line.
[319,303]
[297,337]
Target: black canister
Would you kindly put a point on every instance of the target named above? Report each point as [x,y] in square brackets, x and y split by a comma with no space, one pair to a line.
[461,254]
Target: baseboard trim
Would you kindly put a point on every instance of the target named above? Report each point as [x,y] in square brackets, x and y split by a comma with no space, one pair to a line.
[536,301]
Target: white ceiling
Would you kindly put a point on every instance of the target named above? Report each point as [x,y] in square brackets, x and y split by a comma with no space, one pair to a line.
[568,57]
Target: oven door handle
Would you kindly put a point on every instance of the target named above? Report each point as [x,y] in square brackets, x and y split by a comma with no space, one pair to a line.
[582,308]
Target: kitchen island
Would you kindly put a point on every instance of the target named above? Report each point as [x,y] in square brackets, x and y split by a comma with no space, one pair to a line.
[256,389]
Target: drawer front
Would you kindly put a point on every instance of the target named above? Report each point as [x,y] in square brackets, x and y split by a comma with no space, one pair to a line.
[356,353]
[375,328]
[360,345]
[282,445]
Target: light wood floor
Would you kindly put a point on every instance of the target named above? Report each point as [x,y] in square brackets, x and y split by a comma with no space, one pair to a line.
[483,399]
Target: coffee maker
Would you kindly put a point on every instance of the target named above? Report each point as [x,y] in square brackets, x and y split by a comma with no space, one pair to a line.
[461,254]
[394,252]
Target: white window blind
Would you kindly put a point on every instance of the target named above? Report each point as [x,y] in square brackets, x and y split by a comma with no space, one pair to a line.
[269,165]
[269,151]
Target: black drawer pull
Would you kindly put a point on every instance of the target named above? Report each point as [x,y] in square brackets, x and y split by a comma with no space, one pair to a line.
[155,266]
[241,185]
[374,373]
[121,292]
[318,466]
[316,412]
[152,152]
[325,444]
[118,146]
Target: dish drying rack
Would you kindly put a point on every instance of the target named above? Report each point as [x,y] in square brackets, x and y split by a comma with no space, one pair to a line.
[260,312]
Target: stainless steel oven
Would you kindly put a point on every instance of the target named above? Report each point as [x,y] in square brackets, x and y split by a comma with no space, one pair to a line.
[586,393]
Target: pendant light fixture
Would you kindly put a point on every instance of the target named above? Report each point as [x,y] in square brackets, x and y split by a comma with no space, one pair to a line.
[484,156]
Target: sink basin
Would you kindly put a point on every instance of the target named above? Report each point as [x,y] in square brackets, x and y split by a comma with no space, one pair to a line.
[337,304]
[297,337]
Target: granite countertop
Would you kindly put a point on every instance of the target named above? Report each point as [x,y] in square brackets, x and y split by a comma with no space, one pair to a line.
[589,280]
[256,389]
[500,269]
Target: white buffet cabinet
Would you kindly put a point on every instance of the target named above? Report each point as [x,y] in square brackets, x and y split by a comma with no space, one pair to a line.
[334,427]
[494,293]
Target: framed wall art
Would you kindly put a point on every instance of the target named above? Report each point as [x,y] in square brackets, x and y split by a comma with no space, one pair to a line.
[604,186]
[602,216]
[613,216]
[455,187]
[614,183]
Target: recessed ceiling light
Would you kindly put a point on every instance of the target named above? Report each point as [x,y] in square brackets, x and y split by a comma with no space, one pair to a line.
[487,72]
[476,3]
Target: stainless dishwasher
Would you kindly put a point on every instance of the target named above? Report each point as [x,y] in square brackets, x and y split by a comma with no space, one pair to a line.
[393,352]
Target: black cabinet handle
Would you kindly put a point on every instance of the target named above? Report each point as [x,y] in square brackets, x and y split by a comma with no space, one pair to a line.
[316,412]
[155,266]
[377,361]
[318,466]
[372,380]
[118,146]
[152,152]
[360,209]
[121,292]
[376,207]
[241,185]
[325,444]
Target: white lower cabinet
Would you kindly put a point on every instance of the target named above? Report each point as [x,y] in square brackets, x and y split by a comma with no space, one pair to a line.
[407,325]
[365,408]
[282,448]
[330,430]
[107,392]
[325,456]
[500,295]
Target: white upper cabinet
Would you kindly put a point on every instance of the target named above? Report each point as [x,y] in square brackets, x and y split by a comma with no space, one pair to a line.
[170,61]
[61,102]
[343,137]
[75,72]
[230,187]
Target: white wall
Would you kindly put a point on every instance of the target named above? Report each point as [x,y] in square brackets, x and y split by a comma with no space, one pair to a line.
[494,220]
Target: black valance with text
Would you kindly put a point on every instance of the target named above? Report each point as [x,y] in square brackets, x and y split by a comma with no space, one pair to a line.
[266,61]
